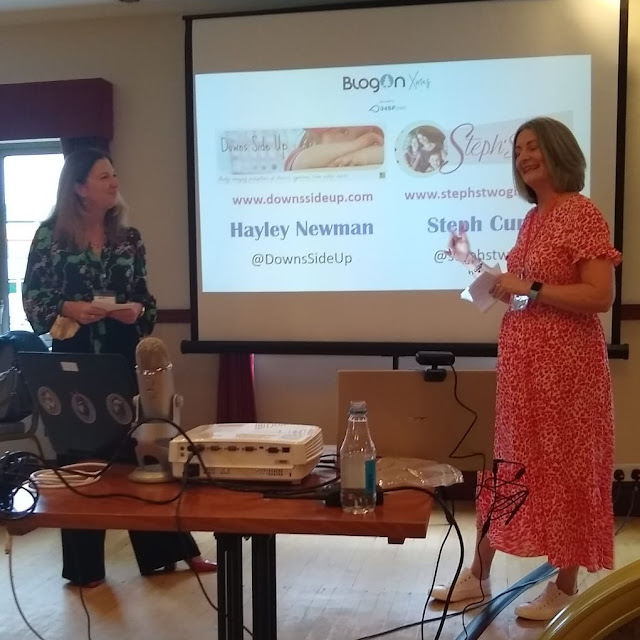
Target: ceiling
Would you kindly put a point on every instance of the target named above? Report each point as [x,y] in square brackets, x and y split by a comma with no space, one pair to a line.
[37,10]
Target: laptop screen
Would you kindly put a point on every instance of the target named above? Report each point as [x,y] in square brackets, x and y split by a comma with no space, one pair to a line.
[84,400]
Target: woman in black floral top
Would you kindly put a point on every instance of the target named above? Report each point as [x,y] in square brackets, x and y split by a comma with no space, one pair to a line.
[84,250]
[57,275]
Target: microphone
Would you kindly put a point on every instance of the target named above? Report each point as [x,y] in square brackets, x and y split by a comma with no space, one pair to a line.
[156,402]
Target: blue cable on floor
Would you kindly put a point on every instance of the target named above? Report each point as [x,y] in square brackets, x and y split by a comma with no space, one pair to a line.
[480,623]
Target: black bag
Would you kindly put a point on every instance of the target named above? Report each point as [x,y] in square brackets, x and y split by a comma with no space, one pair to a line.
[15,401]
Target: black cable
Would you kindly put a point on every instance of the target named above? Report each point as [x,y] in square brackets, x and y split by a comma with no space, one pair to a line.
[10,474]
[281,493]
[509,505]
[518,499]
[445,615]
[23,456]
[454,455]
[15,469]
[634,493]
[311,491]
[501,506]
[483,533]
[43,464]
[15,595]
[196,449]
[57,470]
[508,508]
[195,452]
[266,489]
[179,529]
[452,521]
[449,514]
[455,614]
[86,610]
[618,488]
[435,571]
[36,440]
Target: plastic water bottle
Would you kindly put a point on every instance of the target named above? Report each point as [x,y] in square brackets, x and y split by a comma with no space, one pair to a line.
[358,463]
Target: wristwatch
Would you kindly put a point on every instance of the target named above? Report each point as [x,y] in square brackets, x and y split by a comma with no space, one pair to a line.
[535,290]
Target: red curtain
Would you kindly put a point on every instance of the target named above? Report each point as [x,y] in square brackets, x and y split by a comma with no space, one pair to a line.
[69,145]
[57,109]
[236,391]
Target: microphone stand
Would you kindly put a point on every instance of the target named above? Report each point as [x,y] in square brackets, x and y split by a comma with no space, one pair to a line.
[153,439]
[153,435]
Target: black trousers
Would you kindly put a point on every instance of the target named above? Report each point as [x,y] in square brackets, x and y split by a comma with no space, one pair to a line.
[83,552]
[83,549]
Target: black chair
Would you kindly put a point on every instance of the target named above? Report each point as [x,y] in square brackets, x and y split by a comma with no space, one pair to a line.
[21,430]
[28,426]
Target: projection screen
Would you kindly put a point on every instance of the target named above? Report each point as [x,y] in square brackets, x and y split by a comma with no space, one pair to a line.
[334,152]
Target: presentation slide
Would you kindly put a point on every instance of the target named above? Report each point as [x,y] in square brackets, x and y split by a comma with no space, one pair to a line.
[334,152]
[353,178]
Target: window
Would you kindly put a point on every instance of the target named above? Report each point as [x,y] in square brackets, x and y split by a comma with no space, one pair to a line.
[29,175]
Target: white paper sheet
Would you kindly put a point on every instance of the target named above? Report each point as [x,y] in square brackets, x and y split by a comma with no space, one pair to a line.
[113,306]
[478,291]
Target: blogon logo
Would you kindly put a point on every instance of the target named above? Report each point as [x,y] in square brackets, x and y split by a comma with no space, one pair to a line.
[386,81]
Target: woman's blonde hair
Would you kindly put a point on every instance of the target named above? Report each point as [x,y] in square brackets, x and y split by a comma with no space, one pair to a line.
[562,155]
[68,212]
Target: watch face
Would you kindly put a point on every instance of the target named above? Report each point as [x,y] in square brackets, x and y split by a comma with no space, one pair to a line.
[535,289]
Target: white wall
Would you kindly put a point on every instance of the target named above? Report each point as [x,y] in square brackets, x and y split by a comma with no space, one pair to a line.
[143,58]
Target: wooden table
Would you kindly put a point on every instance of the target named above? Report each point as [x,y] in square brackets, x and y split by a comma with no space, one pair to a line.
[232,515]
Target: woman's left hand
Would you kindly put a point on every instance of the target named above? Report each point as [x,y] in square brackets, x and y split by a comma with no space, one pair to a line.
[129,315]
[509,285]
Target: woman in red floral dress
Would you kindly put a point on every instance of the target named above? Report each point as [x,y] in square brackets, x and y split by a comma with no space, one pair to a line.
[554,411]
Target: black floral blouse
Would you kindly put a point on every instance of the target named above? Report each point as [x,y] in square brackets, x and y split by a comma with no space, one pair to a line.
[55,275]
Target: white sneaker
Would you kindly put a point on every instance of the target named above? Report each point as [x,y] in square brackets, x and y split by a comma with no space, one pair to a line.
[467,587]
[547,605]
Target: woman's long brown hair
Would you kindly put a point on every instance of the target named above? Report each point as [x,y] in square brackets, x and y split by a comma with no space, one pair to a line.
[68,212]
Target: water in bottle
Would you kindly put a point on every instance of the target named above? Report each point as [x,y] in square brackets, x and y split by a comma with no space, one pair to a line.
[358,463]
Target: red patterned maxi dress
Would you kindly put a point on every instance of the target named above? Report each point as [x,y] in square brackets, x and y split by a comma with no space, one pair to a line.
[554,413]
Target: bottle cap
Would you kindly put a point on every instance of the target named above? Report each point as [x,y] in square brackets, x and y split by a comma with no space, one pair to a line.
[358,406]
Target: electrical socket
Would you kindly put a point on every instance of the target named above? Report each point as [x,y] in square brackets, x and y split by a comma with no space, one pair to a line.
[627,470]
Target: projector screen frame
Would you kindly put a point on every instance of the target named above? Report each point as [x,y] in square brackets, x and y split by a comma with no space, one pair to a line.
[383,349]
[616,349]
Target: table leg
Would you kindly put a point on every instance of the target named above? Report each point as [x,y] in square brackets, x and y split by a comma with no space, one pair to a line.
[263,567]
[229,557]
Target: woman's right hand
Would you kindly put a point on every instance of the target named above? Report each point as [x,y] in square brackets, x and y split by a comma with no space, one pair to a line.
[459,248]
[82,312]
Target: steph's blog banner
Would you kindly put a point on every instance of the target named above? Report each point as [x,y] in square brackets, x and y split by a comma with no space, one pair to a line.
[270,151]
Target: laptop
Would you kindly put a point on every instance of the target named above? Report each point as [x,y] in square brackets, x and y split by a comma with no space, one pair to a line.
[84,400]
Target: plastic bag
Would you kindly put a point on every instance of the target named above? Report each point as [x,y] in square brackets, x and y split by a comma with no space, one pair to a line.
[394,473]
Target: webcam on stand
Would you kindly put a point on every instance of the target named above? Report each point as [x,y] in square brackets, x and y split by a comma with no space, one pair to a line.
[436,360]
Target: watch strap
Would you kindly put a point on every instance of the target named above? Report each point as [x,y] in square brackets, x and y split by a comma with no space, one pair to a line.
[535,290]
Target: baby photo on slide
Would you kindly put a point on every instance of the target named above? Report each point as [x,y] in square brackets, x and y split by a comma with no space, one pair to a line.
[275,151]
